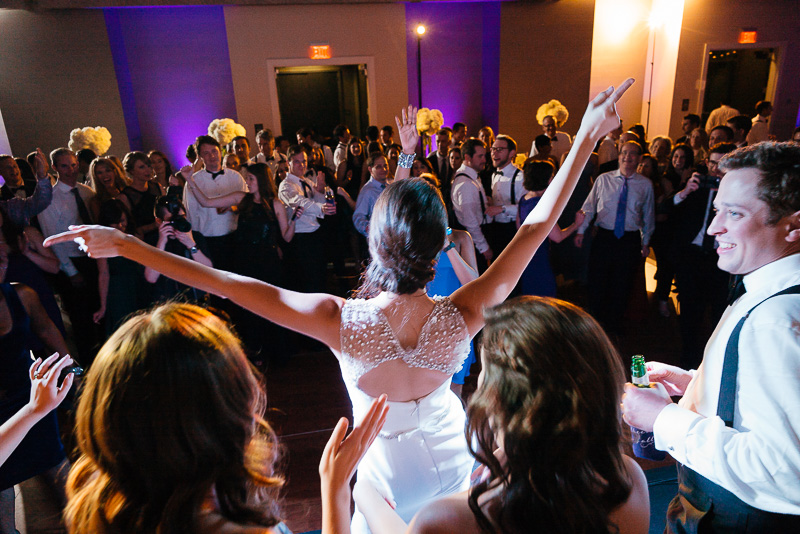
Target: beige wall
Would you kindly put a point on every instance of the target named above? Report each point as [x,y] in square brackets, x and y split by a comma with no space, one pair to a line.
[619,51]
[717,23]
[57,74]
[537,64]
[376,31]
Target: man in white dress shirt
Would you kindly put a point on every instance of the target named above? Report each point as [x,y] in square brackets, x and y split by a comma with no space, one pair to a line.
[470,201]
[719,116]
[215,224]
[560,141]
[342,133]
[305,254]
[760,130]
[507,189]
[624,206]
[736,431]
[77,279]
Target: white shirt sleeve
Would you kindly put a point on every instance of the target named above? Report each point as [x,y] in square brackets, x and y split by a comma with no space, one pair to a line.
[760,460]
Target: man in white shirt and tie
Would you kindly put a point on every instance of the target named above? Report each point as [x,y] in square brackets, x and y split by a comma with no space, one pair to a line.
[507,189]
[470,201]
[736,431]
[305,254]
[77,279]
[623,203]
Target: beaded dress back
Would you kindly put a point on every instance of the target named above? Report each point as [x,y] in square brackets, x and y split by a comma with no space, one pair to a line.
[367,340]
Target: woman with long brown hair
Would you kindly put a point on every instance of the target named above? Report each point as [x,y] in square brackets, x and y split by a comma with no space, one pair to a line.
[170,432]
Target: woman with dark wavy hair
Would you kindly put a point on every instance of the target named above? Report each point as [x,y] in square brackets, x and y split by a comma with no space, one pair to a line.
[170,432]
[395,339]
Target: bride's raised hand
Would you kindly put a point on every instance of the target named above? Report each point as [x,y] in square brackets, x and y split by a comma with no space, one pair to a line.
[601,114]
[95,241]
[407,129]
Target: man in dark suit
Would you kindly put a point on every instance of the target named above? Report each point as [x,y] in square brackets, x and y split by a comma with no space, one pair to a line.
[701,284]
[439,162]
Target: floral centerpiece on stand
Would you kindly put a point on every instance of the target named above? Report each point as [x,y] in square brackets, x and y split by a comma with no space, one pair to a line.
[429,121]
[224,130]
[97,139]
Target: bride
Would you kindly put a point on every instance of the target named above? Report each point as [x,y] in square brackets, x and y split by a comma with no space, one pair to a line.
[397,340]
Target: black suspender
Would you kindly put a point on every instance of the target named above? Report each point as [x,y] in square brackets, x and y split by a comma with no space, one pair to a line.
[730,365]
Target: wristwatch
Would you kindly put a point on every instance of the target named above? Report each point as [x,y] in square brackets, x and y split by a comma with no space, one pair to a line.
[193,250]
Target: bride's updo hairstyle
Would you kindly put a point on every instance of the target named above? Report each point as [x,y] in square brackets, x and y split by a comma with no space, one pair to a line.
[549,396]
[407,232]
[169,428]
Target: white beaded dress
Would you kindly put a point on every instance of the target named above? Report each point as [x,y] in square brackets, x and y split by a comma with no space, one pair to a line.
[421,453]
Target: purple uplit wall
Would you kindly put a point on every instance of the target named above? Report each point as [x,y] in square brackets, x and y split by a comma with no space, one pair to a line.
[460,60]
[173,72]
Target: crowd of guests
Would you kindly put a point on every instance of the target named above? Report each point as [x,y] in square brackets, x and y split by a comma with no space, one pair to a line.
[281,216]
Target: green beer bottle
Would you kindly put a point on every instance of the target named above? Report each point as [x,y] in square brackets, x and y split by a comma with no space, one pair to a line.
[643,443]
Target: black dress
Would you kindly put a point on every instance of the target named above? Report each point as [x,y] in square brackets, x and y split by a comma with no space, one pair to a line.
[142,208]
[256,242]
[256,255]
[41,449]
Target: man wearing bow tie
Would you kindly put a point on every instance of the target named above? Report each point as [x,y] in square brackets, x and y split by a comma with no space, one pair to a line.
[736,431]
[267,153]
[560,141]
[506,191]
[215,224]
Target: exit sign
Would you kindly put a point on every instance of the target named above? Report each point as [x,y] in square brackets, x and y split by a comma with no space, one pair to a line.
[321,51]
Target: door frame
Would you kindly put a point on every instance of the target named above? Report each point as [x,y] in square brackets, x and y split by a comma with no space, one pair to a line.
[772,83]
[274,64]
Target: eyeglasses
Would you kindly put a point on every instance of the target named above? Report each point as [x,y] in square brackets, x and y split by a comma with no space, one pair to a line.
[712,163]
[498,148]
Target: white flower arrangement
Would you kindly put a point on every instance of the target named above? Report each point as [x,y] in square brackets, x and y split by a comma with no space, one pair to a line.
[429,121]
[98,139]
[224,130]
[555,109]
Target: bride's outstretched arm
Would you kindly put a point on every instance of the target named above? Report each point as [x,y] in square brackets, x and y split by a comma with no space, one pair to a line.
[496,283]
[316,315]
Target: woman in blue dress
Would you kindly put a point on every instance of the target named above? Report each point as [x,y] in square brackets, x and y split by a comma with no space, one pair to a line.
[538,279]
[456,266]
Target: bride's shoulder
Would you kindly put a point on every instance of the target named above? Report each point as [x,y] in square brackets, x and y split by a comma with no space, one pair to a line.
[445,515]
[633,516]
